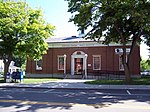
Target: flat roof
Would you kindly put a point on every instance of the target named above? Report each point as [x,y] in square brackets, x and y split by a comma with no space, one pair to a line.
[67,39]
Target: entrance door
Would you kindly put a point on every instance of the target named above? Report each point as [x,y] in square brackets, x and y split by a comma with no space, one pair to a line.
[79,63]
[78,66]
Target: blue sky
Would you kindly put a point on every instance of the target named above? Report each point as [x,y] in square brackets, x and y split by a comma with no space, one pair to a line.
[55,13]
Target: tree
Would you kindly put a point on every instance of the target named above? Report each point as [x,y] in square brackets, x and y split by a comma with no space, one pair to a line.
[19,61]
[22,32]
[145,65]
[120,21]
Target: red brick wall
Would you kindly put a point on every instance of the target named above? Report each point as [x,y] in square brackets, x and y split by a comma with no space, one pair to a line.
[109,59]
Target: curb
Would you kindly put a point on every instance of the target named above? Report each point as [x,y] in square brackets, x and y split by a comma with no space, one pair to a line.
[102,88]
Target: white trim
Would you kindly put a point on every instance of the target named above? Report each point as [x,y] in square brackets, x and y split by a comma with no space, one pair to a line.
[60,56]
[65,56]
[38,68]
[99,63]
[82,55]
[79,44]
[120,51]
[120,60]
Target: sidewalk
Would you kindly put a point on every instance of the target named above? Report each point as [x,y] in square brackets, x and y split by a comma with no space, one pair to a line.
[72,84]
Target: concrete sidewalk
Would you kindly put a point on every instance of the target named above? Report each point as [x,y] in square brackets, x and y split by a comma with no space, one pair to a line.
[72,84]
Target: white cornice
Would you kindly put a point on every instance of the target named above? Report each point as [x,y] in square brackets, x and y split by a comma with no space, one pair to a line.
[79,44]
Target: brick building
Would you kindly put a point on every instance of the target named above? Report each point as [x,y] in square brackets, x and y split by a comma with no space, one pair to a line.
[76,56]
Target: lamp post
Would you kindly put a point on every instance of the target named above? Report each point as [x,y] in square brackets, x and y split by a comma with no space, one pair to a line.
[65,64]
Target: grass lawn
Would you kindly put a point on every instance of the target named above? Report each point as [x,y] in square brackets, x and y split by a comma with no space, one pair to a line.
[34,80]
[135,81]
[38,80]
[1,80]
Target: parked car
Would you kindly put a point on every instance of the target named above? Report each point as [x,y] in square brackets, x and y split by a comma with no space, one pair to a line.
[145,73]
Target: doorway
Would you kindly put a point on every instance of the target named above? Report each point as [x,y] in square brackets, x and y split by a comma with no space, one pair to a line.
[79,63]
[78,66]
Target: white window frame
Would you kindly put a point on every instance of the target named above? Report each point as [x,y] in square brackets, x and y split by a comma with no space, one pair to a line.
[58,57]
[99,63]
[37,67]
[120,62]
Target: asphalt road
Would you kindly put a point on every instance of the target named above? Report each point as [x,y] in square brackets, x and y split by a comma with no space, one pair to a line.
[37,100]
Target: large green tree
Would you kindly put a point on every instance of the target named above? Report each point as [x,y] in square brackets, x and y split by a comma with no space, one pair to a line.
[120,21]
[145,65]
[22,32]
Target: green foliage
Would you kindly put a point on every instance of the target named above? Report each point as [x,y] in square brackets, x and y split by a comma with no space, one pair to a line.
[22,31]
[145,65]
[119,21]
[19,61]
[112,18]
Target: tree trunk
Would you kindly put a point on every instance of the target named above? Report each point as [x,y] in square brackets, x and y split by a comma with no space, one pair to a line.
[6,66]
[126,65]
[126,70]
[129,58]
[127,73]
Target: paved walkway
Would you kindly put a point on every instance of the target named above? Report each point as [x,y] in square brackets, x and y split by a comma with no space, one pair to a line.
[73,84]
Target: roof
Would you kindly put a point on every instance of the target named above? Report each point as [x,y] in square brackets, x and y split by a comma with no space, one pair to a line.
[67,39]
[74,41]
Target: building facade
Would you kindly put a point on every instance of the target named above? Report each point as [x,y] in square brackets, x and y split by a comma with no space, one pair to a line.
[76,56]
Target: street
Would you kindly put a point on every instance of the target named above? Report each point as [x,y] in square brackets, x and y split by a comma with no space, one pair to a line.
[81,100]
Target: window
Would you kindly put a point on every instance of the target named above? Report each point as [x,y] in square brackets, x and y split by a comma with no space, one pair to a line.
[60,62]
[121,67]
[39,65]
[96,62]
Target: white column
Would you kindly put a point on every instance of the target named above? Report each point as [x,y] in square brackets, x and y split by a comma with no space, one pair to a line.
[65,64]
[85,65]
[72,65]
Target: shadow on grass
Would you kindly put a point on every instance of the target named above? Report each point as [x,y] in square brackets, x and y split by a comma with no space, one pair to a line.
[135,81]
[31,80]
[2,80]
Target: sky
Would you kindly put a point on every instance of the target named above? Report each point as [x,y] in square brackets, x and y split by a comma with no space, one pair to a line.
[55,13]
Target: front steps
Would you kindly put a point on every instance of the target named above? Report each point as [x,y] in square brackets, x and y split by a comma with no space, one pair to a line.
[76,76]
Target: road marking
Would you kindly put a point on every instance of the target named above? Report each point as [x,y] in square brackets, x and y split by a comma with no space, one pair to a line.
[68,92]
[128,92]
[100,105]
[48,91]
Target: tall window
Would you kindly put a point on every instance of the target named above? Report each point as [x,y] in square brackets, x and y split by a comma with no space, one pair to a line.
[60,62]
[38,64]
[96,62]
[121,67]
